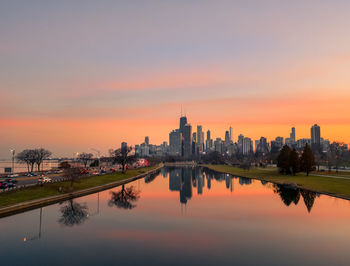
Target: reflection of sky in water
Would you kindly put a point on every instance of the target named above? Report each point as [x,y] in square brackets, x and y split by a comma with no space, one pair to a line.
[183,216]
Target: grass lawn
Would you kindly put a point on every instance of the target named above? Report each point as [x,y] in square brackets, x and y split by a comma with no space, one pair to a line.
[47,190]
[335,186]
[333,172]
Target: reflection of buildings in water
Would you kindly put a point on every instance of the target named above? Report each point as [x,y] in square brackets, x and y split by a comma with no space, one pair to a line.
[244,181]
[229,182]
[208,181]
[164,172]
[180,179]
[200,182]
[263,182]
[175,176]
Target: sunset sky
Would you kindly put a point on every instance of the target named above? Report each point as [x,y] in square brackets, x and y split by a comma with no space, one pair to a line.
[76,75]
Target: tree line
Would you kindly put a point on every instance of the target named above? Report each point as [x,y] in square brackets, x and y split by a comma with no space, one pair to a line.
[289,161]
[33,157]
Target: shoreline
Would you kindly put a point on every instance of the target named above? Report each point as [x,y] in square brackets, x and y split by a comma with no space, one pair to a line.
[278,182]
[42,202]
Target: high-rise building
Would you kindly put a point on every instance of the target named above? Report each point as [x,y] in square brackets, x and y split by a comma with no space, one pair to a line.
[147,140]
[208,134]
[315,135]
[187,140]
[227,139]
[230,134]
[261,146]
[302,142]
[200,140]
[247,146]
[183,122]
[208,142]
[240,143]
[175,142]
[218,144]
[292,135]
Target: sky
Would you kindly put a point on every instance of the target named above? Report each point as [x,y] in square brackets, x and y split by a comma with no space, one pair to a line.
[77,75]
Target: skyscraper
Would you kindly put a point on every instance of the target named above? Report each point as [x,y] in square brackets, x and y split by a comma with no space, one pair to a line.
[187,140]
[194,137]
[175,140]
[183,122]
[147,140]
[200,140]
[208,143]
[292,135]
[315,135]
[208,135]
[227,139]
[230,134]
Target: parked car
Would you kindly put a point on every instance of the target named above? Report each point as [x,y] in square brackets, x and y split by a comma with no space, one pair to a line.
[10,185]
[84,172]
[44,179]
[12,175]
[95,173]
[30,174]
[11,180]
[3,185]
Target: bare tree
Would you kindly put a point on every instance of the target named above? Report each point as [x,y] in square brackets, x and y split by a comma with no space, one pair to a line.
[124,198]
[72,173]
[85,158]
[123,156]
[29,157]
[40,155]
[73,214]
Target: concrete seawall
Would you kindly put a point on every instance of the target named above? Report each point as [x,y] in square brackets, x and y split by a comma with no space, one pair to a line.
[181,164]
[29,205]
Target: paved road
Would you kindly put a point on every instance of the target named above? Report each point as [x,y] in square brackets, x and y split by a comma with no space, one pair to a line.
[25,180]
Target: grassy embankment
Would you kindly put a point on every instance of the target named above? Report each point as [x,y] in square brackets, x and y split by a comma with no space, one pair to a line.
[335,186]
[47,190]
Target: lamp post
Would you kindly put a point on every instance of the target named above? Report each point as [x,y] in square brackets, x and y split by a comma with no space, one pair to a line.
[13,152]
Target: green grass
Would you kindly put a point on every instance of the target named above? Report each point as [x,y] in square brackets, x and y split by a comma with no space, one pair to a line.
[47,190]
[334,186]
[333,173]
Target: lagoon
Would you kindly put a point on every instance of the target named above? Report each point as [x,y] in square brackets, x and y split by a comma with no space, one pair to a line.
[183,215]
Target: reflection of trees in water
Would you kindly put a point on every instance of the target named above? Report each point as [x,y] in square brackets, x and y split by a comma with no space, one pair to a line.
[150,177]
[309,198]
[73,214]
[289,195]
[124,198]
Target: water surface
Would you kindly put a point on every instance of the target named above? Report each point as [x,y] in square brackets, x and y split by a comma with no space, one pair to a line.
[187,216]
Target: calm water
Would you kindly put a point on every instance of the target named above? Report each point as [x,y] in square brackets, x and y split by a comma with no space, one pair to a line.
[183,216]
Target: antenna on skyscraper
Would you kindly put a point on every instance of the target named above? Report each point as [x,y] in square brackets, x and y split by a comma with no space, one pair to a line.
[181,110]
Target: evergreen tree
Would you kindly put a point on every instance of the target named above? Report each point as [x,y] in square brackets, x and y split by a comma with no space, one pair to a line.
[307,160]
[283,160]
[294,161]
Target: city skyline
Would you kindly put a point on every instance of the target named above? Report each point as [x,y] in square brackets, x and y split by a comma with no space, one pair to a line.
[214,134]
[188,143]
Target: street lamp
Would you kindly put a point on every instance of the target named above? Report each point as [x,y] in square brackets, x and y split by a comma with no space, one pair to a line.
[13,152]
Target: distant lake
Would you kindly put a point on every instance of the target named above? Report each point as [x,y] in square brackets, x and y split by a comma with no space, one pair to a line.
[183,216]
[20,167]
